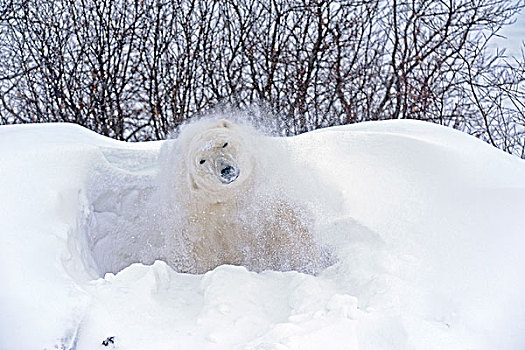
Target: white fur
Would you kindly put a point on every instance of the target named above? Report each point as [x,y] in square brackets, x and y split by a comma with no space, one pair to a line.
[238,223]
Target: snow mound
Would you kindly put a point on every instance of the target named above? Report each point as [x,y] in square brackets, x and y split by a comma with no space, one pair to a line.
[426,224]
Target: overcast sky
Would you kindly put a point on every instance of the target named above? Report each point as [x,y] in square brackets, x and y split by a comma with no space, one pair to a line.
[515,35]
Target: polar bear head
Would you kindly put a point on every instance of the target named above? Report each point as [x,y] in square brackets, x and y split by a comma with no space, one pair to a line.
[218,158]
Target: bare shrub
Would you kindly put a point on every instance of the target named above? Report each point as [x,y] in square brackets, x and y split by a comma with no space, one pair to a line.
[134,70]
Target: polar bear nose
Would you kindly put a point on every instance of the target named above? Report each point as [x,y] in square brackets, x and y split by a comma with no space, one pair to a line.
[228,170]
[229,174]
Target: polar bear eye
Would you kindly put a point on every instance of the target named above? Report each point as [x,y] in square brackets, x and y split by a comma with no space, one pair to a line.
[226,144]
[202,161]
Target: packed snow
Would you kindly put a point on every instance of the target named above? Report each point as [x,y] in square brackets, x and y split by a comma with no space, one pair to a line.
[425,225]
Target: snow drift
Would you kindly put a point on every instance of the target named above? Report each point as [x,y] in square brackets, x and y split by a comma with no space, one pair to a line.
[425,222]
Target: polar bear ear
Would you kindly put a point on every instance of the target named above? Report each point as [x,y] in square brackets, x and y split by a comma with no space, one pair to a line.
[223,123]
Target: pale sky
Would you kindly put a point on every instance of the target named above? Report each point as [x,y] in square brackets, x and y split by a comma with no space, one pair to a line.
[515,35]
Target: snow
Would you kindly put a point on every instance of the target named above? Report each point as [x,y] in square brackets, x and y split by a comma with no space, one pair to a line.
[426,223]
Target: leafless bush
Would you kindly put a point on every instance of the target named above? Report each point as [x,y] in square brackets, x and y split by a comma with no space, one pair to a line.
[133,70]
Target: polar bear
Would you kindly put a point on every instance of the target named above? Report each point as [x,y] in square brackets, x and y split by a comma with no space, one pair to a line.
[228,215]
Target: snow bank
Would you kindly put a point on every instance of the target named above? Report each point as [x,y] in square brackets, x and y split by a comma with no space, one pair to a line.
[426,224]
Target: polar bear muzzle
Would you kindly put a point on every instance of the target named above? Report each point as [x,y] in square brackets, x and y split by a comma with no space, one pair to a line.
[229,174]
